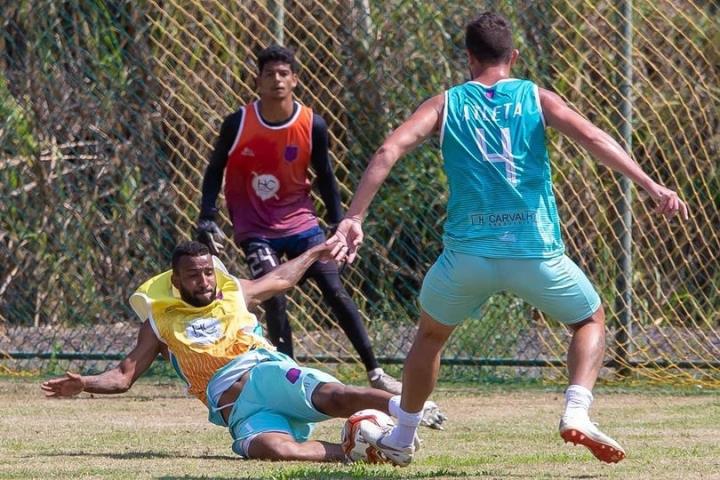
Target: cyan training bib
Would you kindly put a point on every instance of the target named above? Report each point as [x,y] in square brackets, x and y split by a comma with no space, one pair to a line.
[501,201]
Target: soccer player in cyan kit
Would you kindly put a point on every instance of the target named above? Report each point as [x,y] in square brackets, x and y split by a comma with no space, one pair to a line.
[265,150]
[502,230]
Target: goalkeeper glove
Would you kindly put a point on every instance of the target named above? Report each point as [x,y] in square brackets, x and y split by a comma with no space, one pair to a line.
[210,234]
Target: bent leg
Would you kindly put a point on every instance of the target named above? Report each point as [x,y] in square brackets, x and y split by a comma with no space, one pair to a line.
[281,446]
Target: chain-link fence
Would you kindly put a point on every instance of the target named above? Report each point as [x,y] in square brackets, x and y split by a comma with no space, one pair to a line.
[110,108]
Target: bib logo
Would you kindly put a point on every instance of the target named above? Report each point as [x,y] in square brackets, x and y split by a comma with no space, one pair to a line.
[265,186]
[204,331]
[293,374]
[291,153]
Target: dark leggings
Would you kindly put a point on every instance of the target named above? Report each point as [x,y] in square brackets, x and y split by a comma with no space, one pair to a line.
[263,255]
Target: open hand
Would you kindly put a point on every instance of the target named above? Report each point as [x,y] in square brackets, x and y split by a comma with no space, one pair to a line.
[668,203]
[347,239]
[211,235]
[67,386]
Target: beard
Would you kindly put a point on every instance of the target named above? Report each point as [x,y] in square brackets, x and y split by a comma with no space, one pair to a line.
[198,300]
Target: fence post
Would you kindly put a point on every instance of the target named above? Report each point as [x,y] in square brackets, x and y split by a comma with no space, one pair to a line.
[623,301]
[277,12]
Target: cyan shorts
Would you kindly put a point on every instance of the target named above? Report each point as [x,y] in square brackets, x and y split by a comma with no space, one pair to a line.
[457,285]
[277,398]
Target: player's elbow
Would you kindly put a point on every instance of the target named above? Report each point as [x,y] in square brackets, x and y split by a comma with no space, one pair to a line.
[123,381]
[123,384]
[387,154]
[122,388]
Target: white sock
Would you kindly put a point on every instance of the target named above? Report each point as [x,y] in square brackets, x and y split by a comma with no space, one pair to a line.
[403,434]
[375,373]
[577,401]
[394,406]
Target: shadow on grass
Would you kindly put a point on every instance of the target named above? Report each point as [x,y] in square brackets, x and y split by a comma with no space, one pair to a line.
[314,471]
[137,455]
[320,473]
[353,473]
[359,471]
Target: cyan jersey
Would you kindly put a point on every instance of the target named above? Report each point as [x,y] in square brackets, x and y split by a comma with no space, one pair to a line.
[501,200]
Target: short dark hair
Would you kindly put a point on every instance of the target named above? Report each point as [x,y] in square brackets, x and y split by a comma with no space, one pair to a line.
[489,38]
[276,53]
[188,249]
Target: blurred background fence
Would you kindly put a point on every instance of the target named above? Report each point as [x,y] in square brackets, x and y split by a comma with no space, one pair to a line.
[108,111]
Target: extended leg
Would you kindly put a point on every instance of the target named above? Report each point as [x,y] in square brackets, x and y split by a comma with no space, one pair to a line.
[419,378]
[423,362]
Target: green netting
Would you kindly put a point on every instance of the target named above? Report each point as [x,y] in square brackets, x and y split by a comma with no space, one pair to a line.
[110,110]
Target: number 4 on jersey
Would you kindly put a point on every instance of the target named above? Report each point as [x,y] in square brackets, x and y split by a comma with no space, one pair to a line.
[505,157]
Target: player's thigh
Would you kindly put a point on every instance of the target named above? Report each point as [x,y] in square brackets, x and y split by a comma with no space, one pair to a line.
[556,286]
[456,286]
[304,241]
[260,256]
[324,273]
[286,388]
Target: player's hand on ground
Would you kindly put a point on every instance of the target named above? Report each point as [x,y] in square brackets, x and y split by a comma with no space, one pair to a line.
[668,203]
[210,234]
[433,417]
[67,386]
[347,239]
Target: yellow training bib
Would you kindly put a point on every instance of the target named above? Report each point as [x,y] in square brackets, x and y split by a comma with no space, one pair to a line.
[200,339]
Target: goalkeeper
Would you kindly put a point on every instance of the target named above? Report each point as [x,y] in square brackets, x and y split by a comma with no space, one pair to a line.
[196,315]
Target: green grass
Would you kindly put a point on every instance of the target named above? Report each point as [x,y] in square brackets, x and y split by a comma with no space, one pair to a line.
[495,431]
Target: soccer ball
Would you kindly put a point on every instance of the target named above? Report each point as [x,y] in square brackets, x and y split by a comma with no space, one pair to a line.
[371,423]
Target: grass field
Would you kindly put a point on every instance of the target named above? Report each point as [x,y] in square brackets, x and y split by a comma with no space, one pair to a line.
[494,432]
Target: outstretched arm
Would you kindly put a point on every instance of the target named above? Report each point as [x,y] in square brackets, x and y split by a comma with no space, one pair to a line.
[606,150]
[284,277]
[116,380]
[413,131]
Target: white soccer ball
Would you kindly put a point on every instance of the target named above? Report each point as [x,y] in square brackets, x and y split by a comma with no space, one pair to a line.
[361,425]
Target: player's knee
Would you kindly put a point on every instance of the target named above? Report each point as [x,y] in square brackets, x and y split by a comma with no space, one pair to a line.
[594,321]
[336,294]
[432,336]
[330,397]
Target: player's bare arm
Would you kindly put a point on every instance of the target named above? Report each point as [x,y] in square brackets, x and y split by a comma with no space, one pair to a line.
[284,277]
[413,131]
[604,148]
[115,380]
